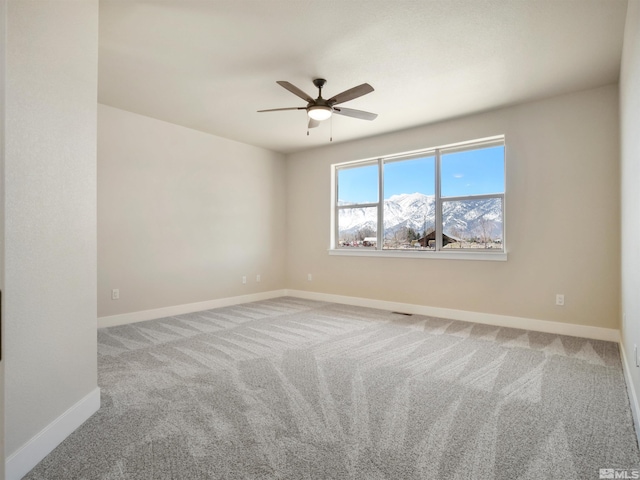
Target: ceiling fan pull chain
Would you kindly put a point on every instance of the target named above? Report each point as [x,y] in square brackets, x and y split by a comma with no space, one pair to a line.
[331,129]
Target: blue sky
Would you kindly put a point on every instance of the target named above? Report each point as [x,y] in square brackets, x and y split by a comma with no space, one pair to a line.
[473,172]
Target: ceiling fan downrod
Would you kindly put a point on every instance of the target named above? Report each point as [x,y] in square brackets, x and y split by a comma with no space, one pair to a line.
[319,83]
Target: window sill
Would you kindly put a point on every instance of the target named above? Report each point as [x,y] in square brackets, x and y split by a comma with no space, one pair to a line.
[441,255]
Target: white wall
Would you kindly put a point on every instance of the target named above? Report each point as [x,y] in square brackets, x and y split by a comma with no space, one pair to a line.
[562,217]
[183,215]
[50,221]
[630,198]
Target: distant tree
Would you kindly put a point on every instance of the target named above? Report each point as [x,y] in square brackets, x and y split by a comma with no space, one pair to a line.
[458,233]
[365,232]
[485,230]
[412,235]
[399,236]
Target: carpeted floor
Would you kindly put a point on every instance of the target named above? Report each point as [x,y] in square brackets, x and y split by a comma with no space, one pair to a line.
[297,389]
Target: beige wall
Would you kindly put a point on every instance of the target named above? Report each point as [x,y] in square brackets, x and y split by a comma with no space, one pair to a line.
[3,16]
[630,174]
[562,217]
[183,215]
[50,212]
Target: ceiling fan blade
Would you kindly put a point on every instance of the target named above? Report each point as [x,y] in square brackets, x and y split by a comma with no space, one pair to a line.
[313,123]
[350,94]
[350,112]
[280,109]
[296,91]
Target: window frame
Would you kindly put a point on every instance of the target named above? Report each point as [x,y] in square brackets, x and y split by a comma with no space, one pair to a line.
[439,252]
[337,208]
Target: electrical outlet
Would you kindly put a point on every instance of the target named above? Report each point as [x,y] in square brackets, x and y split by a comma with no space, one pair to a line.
[258,278]
[244,280]
[115,294]
[560,299]
[309,277]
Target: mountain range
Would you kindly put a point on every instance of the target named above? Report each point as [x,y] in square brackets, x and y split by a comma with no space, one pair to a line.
[461,219]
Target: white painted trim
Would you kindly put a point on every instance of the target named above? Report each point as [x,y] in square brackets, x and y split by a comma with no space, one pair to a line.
[141,316]
[631,391]
[19,463]
[453,254]
[584,331]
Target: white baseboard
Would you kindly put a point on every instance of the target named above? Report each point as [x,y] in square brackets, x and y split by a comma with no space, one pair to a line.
[19,463]
[141,316]
[546,326]
[584,331]
[631,391]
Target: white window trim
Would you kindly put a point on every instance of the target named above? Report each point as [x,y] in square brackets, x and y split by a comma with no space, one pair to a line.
[439,253]
[421,254]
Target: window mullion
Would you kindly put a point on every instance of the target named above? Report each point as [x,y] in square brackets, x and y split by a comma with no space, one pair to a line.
[336,212]
[438,226]
[356,205]
[380,229]
[474,197]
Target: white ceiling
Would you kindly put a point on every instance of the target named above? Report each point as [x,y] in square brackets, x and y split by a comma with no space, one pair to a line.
[209,65]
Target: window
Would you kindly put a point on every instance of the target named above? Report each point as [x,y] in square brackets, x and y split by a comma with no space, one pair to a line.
[358,205]
[441,200]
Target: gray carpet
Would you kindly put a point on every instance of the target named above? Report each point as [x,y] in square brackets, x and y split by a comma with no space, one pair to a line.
[297,389]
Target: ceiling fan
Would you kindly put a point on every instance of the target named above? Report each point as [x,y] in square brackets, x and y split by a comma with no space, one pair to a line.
[321,109]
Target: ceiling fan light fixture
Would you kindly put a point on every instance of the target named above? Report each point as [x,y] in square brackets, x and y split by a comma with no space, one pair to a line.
[319,112]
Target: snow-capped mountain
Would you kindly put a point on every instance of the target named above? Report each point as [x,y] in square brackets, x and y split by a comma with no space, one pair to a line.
[462,219]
